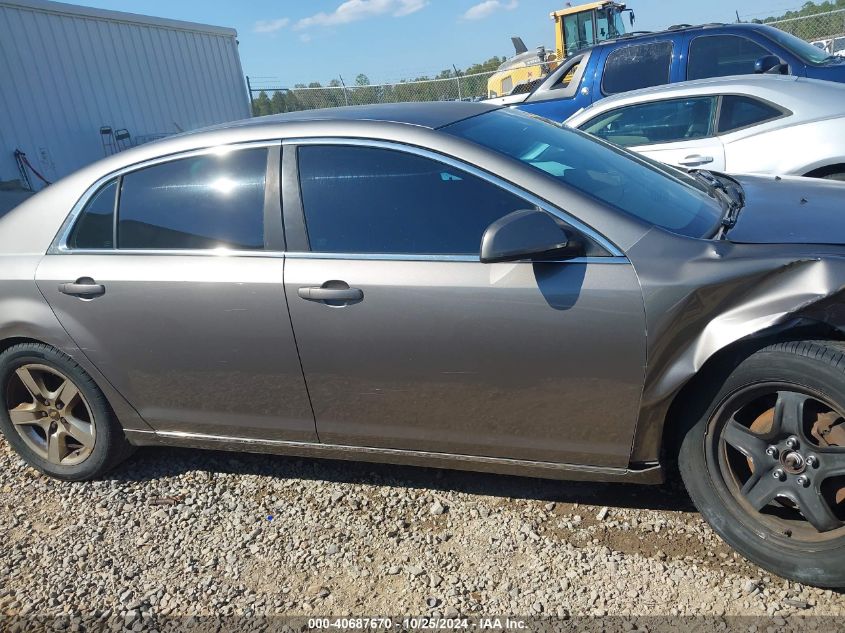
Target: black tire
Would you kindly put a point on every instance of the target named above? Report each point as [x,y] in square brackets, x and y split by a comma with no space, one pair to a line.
[816,369]
[110,446]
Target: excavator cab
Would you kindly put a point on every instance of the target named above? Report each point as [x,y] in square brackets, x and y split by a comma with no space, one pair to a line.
[577,28]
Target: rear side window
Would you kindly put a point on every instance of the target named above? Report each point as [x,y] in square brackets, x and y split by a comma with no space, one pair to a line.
[637,66]
[739,112]
[374,200]
[657,122]
[95,227]
[722,55]
[202,202]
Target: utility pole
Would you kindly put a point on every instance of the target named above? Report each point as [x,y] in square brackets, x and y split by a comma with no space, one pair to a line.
[345,98]
[458,79]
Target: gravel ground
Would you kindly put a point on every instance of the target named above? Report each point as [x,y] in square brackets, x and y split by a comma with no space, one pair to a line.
[179,532]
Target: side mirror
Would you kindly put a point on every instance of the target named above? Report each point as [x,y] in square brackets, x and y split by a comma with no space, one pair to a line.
[770,64]
[527,234]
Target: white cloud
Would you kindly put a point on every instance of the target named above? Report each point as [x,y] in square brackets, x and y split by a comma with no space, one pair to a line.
[271,26]
[354,10]
[488,8]
[304,37]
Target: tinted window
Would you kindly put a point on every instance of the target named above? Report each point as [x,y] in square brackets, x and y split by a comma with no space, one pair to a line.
[638,66]
[211,201]
[738,112]
[658,122]
[645,189]
[95,226]
[370,200]
[722,55]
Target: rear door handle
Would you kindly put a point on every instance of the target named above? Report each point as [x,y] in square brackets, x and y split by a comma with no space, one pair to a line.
[319,293]
[83,287]
[695,159]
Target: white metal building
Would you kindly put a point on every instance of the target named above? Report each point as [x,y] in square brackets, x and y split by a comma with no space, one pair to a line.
[68,71]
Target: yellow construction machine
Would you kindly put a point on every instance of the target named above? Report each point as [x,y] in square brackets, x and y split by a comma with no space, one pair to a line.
[575,28]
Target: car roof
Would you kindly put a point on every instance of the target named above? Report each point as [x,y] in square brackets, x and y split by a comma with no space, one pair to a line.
[432,114]
[809,97]
[676,29]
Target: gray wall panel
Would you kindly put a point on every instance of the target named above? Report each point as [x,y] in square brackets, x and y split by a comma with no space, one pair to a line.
[65,71]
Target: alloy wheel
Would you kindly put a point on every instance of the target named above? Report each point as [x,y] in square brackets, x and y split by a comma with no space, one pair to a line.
[50,414]
[779,451]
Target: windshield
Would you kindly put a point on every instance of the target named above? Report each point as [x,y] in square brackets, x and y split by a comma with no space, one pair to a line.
[798,47]
[609,23]
[655,193]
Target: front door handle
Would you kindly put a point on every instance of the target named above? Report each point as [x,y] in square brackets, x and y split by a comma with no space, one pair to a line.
[83,287]
[695,159]
[321,293]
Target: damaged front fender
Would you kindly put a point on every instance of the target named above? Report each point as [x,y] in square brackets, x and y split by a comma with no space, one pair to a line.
[699,305]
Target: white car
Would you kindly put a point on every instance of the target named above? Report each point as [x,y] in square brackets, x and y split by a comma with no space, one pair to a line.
[769,124]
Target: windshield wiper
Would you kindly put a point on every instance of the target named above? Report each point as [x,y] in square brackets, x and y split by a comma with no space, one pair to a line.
[728,191]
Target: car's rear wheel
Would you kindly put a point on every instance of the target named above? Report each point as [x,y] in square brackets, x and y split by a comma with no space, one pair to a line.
[55,416]
[765,464]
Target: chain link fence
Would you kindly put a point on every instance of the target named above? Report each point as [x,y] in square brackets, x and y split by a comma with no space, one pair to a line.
[825,30]
[272,100]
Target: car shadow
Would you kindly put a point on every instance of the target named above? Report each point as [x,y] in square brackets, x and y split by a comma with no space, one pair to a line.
[153,463]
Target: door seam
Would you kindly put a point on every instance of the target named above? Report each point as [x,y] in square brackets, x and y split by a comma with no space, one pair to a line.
[296,347]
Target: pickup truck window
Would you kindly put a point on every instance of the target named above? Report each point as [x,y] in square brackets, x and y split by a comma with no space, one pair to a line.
[637,66]
[722,55]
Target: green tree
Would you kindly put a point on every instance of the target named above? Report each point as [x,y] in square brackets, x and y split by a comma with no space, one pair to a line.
[261,105]
[278,103]
[362,80]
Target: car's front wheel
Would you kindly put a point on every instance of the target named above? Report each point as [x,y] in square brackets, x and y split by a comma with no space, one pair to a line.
[54,415]
[765,464]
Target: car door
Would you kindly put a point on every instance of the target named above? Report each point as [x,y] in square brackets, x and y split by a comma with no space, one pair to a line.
[678,131]
[409,342]
[169,278]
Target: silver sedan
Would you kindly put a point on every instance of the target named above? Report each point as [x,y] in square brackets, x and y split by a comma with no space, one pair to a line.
[766,124]
[452,285]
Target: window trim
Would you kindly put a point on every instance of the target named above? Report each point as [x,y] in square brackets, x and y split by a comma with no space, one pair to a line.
[59,245]
[671,43]
[705,35]
[714,118]
[295,214]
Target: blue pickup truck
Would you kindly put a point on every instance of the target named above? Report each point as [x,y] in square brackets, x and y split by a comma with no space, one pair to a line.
[681,53]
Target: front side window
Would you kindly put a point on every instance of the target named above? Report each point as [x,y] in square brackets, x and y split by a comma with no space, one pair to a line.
[656,194]
[373,200]
[722,55]
[202,202]
[95,227]
[666,121]
[739,111]
[637,66]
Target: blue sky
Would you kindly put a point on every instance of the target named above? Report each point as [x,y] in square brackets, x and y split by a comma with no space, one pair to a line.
[284,42]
